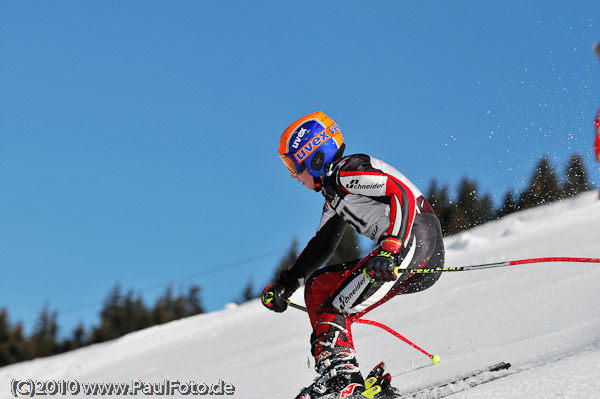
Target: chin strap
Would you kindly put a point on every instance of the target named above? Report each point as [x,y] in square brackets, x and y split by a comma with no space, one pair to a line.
[318,184]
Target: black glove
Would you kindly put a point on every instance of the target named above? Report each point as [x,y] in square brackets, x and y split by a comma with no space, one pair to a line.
[383,266]
[275,298]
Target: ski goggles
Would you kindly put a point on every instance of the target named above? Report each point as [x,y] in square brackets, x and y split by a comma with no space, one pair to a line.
[292,165]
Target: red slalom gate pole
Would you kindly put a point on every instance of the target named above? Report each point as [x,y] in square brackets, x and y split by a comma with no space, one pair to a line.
[435,359]
[559,259]
[500,264]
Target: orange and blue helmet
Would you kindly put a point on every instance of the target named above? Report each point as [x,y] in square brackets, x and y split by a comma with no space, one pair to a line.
[311,142]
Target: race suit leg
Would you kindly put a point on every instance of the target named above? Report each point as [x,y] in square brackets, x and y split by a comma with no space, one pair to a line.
[336,294]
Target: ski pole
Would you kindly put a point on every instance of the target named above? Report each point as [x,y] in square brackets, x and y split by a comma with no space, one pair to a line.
[296,306]
[435,359]
[497,264]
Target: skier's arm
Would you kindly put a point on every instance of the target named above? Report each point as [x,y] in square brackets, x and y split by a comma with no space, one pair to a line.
[315,254]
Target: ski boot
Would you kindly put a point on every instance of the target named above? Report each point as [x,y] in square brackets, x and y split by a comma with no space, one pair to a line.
[339,376]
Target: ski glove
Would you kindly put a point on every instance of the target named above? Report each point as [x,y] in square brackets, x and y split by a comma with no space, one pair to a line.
[383,266]
[378,383]
[275,298]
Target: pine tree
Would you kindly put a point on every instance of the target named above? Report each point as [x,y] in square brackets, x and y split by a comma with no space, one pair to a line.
[194,303]
[543,188]
[136,315]
[576,177]
[508,206]
[470,209]
[6,346]
[78,337]
[43,339]
[179,308]
[122,314]
[248,293]
[464,208]
[440,202]
[485,210]
[12,341]
[169,308]
[112,317]
[162,312]
[287,261]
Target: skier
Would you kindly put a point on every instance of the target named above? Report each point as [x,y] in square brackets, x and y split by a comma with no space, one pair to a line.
[380,203]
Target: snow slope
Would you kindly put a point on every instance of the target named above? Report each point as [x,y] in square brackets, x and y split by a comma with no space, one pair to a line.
[542,318]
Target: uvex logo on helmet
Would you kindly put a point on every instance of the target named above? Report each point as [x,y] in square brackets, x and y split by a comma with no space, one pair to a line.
[303,133]
[298,138]
[312,145]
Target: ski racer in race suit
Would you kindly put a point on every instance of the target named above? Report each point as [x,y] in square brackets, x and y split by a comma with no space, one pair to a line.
[380,203]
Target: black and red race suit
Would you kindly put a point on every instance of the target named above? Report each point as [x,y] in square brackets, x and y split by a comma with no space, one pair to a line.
[378,202]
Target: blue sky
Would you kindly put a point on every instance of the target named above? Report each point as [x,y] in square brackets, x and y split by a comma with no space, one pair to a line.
[138,139]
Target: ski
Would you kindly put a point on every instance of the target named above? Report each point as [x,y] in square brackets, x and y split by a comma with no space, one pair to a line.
[441,390]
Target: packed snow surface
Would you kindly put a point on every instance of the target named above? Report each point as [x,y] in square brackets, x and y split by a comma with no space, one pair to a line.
[543,318]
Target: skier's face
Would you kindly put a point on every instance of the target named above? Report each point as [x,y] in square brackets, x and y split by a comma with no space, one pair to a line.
[306,179]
